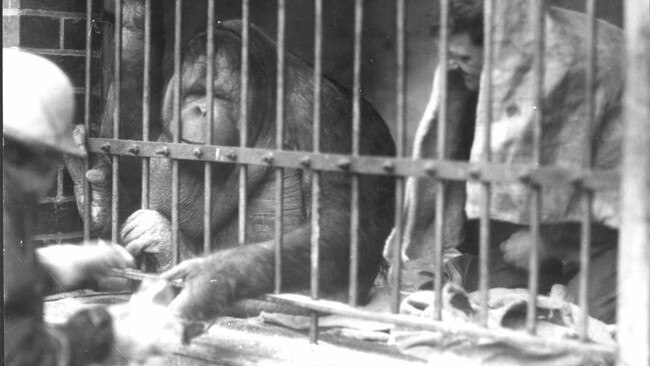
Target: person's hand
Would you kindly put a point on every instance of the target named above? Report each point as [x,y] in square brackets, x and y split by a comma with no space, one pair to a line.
[516,249]
[145,330]
[70,265]
[148,232]
[206,290]
[99,178]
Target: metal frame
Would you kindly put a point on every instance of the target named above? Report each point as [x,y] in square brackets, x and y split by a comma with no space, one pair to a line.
[634,257]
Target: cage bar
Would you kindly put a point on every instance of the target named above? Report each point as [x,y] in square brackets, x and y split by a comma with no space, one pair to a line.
[538,13]
[400,101]
[586,195]
[87,92]
[356,128]
[450,170]
[178,13]
[443,59]
[484,234]
[146,101]
[279,141]
[634,253]
[315,186]
[117,84]
[209,130]
[243,121]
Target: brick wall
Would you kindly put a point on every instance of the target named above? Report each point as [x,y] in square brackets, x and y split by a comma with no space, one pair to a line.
[56,29]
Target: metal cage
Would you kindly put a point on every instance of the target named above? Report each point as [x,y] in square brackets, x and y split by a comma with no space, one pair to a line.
[634,268]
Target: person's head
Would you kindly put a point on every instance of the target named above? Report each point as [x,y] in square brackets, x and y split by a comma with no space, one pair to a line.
[465,39]
[38,106]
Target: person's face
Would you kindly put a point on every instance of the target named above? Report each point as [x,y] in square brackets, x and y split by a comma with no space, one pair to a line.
[32,168]
[466,57]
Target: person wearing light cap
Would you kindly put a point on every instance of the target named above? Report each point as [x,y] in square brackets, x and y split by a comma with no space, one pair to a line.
[38,108]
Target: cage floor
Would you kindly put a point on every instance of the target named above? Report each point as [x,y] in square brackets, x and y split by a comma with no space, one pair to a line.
[248,341]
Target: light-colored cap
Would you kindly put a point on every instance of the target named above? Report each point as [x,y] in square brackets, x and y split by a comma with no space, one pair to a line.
[37,102]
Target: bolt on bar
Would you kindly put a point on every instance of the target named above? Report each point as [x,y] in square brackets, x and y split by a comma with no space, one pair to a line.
[117,84]
[207,171]
[586,195]
[146,101]
[538,12]
[634,253]
[87,88]
[484,235]
[243,121]
[443,60]
[177,126]
[279,137]
[315,185]
[400,91]
[356,127]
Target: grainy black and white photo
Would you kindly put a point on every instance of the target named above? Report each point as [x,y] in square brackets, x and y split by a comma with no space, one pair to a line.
[326,182]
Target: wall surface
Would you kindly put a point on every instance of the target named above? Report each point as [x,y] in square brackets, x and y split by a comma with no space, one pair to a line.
[55,30]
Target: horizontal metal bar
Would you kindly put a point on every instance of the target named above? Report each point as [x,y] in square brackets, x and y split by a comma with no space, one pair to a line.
[62,199]
[59,52]
[594,180]
[58,236]
[43,13]
[471,330]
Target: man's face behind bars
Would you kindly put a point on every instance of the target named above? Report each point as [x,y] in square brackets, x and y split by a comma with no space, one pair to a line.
[466,57]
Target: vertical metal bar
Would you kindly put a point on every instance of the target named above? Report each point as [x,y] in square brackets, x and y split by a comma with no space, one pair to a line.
[62,33]
[146,114]
[315,186]
[146,101]
[441,131]
[87,92]
[400,91]
[538,13]
[484,239]
[243,120]
[177,126]
[634,252]
[356,127]
[209,130]
[59,184]
[279,140]
[117,83]
[586,196]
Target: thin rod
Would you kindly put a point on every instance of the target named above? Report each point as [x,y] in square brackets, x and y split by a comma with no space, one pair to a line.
[315,186]
[442,128]
[177,123]
[87,92]
[586,198]
[243,121]
[484,235]
[117,83]
[400,92]
[356,127]
[538,13]
[209,130]
[146,101]
[279,140]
